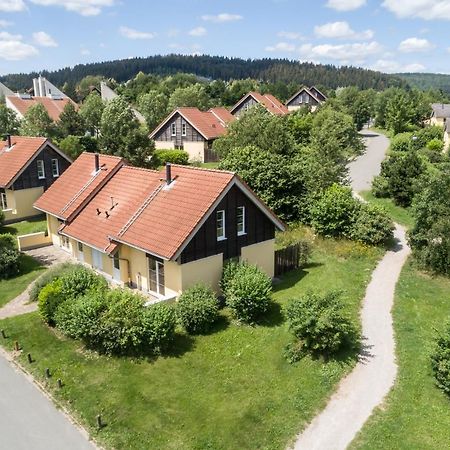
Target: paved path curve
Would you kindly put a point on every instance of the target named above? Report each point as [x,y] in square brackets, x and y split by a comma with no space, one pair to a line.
[374,375]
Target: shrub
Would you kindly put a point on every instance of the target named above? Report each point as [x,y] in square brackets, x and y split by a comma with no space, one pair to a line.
[197,309]
[79,281]
[158,323]
[319,325]
[2,216]
[380,187]
[436,145]
[334,213]
[372,225]
[47,277]
[7,240]
[162,156]
[49,298]
[401,142]
[248,293]
[440,360]
[9,256]
[228,272]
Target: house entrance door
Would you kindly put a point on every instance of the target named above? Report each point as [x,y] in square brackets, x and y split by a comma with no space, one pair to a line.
[156,279]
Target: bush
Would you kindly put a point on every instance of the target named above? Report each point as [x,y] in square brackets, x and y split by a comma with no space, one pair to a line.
[436,145]
[158,323]
[9,257]
[380,187]
[49,299]
[2,216]
[77,282]
[228,273]
[334,213]
[162,156]
[248,293]
[319,325]
[401,142]
[48,276]
[7,240]
[372,226]
[440,360]
[197,309]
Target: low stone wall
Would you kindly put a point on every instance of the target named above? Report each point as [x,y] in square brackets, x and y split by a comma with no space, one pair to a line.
[33,240]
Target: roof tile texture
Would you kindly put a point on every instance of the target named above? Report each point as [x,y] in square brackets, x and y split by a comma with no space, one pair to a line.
[53,107]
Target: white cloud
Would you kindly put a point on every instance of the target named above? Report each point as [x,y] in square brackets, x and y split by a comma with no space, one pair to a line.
[83,7]
[390,66]
[12,5]
[199,31]
[341,30]
[5,23]
[44,39]
[343,52]
[130,33]
[222,17]
[414,44]
[345,5]
[292,35]
[281,47]
[424,9]
[13,49]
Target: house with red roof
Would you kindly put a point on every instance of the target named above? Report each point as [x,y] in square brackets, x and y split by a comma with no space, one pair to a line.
[267,101]
[28,167]
[192,130]
[310,98]
[158,231]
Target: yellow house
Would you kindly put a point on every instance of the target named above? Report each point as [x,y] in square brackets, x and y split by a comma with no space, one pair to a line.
[158,231]
[28,166]
[440,114]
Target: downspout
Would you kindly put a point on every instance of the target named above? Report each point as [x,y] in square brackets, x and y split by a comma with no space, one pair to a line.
[128,267]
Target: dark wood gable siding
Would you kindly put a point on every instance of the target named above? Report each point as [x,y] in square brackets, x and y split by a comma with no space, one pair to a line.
[247,103]
[320,96]
[258,227]
[300,100]
[165,133]
[29,178]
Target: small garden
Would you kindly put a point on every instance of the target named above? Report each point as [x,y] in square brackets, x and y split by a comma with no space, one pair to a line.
[205,372]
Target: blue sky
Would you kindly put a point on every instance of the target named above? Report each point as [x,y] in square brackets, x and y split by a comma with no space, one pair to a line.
[387,35]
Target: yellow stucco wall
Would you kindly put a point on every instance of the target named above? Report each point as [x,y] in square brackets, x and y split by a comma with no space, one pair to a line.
[52,227]
[196,150]
[138,266]
[33,240]
[437,121]
[205,270]
[262,255]
[169,145]
[24,200]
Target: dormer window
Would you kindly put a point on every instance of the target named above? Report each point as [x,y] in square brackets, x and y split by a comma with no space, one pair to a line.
[173,128]
[220,225]
[40,169]
[183,129]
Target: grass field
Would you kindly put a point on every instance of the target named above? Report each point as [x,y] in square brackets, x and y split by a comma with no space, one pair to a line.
[30,270]
[231,389]
[398,214]
[25,226]
[416,414]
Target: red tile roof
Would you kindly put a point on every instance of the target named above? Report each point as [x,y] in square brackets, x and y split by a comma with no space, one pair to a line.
[210,124]
[17,158]
[268,101]
[53,107]
[77,184]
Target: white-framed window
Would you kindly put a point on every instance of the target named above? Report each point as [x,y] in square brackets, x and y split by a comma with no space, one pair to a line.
[40,169]
[80,251]
[241,220]
[220,225]
[55,168]
[3,201]
[183,129]
[173,129]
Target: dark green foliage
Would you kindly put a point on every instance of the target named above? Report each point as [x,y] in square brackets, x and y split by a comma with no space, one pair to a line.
[158,323]
[49,299]
[197,309]
[380,187]
[91,111]
[228,272]
[300,124]
[80,281]
[9,124]
[402,142]
[372,225]
[320,326]
[2,217]
[37,122]
[73,146]
[70,122]
[9,257]
[248,293]
[435,145]
[162,156]
[48,276]
[440,359]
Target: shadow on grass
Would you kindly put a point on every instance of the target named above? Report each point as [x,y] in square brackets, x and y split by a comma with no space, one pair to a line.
[290,279]
[29,264]
[181,344]
[273,317]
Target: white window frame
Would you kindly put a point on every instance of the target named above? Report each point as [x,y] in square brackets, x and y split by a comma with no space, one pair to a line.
[241,211]
[55,165]
[3,201]
[222,236]
[183,129]
[41,169]
[173,129]
[80,249]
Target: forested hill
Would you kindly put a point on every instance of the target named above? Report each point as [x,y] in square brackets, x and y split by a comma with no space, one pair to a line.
[427,81]
[216,67]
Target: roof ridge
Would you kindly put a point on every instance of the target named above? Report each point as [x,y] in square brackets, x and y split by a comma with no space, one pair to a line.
[205,169]
[143,169]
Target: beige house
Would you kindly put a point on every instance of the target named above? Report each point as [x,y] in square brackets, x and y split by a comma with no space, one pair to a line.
[28,166]
[440,114]
[158,231]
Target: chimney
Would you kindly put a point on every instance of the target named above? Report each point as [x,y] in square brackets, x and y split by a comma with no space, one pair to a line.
[168,174]
[97,162]
[8,141]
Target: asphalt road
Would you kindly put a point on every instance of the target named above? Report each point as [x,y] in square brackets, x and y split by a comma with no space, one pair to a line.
[363,169]
[29,420]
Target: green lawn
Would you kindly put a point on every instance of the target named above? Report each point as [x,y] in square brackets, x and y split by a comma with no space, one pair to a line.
[30,270]
[209,165]
[400,215]
[231,389]
[416,414]
[25,226]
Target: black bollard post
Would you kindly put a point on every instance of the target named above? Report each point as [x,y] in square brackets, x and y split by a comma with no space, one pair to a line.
[99,421]
[47,372]
[30,359]
[16,346]
[60,384]
[3,334]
